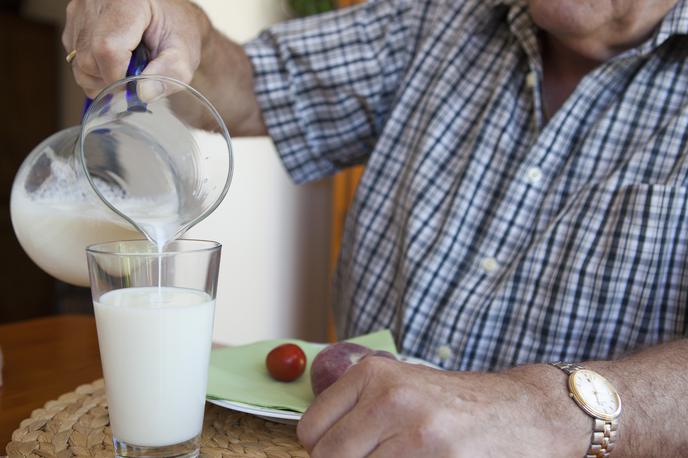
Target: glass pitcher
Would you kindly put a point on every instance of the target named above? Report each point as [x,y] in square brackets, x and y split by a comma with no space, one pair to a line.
[151,158]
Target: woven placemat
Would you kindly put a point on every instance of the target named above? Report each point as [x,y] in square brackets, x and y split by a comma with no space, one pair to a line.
[77,424]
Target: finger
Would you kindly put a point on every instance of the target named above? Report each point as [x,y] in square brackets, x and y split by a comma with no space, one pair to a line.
[332,404]
[391,447]
[68,39]
[173,62]
[412,446]
[85,63]
[116,34]
[111,59]
[356,434]
[170,62]
[84,66]
[91,85]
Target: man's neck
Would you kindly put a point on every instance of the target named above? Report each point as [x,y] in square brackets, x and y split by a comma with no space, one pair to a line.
[563,69]
[568,55]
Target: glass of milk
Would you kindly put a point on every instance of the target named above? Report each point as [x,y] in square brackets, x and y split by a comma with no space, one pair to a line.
[154,313]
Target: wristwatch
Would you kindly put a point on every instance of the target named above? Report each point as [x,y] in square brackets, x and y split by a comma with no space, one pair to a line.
[599,399]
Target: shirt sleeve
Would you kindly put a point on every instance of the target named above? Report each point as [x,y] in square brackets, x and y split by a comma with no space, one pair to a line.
[325,84]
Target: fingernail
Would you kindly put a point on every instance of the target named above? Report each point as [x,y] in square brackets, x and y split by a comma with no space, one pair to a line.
[149,90]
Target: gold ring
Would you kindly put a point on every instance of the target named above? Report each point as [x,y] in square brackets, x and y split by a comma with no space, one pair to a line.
[70,57]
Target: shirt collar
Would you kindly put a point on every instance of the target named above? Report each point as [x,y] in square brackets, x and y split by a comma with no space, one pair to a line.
[674,23]
[494,3]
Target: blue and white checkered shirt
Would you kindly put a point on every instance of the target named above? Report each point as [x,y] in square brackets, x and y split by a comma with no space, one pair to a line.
[484,234]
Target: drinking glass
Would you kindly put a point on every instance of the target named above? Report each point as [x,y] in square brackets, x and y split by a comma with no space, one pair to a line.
[154,314]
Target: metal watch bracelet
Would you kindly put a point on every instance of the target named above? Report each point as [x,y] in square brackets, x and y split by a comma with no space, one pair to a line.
[604,433]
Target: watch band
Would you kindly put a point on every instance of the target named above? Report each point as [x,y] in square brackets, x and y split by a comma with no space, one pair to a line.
[569,368]
[604,433]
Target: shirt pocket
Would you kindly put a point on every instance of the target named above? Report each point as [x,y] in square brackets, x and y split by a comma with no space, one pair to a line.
[628,266]
[642,222]
[649,206]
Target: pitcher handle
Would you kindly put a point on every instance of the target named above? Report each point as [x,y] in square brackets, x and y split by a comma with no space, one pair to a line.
[139,59]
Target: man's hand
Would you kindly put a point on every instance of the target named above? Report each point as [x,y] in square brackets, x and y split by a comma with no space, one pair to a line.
[183,45]
[105,32]
[383,408]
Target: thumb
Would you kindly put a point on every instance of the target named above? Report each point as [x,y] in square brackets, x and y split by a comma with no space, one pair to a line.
[172,63]
[332,404]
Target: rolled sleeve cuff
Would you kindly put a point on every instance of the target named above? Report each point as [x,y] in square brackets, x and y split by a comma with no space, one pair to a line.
[278,107]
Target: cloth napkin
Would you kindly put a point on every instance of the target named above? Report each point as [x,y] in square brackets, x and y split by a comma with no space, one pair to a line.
[238,373]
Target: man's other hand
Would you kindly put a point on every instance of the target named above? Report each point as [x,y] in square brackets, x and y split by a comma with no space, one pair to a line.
[382,408]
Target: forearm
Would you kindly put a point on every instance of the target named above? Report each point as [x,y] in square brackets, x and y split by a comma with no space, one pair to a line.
[225,76]
[653,385]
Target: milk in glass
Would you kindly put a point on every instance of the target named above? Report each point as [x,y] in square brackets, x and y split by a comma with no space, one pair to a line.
[155,348]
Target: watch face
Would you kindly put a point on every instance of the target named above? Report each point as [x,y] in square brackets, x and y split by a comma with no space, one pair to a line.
[595,394]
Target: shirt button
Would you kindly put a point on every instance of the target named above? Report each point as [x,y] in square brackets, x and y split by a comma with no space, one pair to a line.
[531,80]
[534,175]
[444,352]
[489,265]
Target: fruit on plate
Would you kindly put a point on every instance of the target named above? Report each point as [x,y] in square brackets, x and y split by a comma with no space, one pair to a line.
[334,360]
[286,362]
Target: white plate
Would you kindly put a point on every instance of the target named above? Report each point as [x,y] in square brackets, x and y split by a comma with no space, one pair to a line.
[276,415]
[285,416]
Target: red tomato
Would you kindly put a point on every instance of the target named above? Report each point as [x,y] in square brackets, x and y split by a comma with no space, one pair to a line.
[286,362]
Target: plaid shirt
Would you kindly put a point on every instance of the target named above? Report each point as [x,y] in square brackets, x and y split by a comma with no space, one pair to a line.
[484,234]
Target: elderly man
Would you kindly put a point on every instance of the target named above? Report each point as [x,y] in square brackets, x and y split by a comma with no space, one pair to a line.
[524,202]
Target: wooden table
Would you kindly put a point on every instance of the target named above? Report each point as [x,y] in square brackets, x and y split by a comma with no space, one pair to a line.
[44,358]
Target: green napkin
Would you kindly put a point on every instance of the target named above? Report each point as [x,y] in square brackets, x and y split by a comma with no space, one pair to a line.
[238,373]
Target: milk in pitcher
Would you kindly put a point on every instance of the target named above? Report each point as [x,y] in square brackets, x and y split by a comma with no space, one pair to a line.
[55,222]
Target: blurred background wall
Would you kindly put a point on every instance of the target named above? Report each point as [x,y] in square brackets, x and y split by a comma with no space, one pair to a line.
[274,274]
[30,82]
